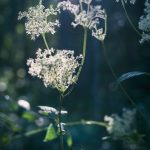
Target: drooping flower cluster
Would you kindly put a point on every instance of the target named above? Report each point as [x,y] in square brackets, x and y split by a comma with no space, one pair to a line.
[37,20]
[131,1]
[120,126]
[57,68]
[90,18]
[144,23]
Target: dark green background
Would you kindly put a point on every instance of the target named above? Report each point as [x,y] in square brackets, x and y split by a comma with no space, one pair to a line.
[95,94]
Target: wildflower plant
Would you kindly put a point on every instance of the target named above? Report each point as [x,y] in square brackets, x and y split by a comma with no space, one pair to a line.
[57,68]
[144,23]
[88,17]
[37,20]
[124,128]
[60,69]
[118,126]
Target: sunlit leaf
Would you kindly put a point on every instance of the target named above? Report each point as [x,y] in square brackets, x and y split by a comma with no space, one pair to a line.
[50,134]
[69,140]
[130,75]
[30,116]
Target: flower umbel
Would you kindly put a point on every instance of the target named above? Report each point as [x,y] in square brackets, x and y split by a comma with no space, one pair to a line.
[144,23]
[90,17]
[120,126]
[38,21]
[57,68]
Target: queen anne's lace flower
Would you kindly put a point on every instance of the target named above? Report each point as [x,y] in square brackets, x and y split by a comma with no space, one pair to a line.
[144,23]
[57,68]
[131,1]
[37,20]
[120,126]
[89,17]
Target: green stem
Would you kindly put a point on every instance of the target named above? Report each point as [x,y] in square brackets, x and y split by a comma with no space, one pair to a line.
[89,122]
[83,52]
[30,133]
[120,85]
[132,25]
[43,36]
[83,59]
[82,122]
[59,122]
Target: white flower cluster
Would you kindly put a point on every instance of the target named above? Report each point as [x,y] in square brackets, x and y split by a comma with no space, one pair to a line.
[144,23]
[131,1]
[57,68]
[37,20]
[120,126]
[90,17]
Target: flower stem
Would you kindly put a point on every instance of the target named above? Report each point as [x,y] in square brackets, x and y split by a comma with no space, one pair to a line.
[43,35]
[88,122]
[131,23]
[69,124]
[83,52]
[120,85]
[59,122]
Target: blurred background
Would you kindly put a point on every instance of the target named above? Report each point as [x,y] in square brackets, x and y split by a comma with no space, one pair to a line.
[96,93]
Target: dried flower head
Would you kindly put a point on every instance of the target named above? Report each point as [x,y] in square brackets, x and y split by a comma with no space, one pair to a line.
[38,21]
[144,23]
[90,17]
[131,1]
[120,126]
[57,68]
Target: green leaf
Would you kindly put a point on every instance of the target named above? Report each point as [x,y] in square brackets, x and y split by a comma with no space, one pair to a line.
[69,140]
[50,134]
[30,116]
[131,75]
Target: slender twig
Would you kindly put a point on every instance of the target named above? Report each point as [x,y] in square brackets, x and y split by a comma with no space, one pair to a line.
[83,52]
[59,122]
[89,122]
[129,19]
[43,36]
[82,61]
[69,124]
[30,133]
[120,85]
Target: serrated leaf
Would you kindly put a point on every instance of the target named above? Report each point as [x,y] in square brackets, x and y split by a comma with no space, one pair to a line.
[50,134]
[69,140]
[130,75]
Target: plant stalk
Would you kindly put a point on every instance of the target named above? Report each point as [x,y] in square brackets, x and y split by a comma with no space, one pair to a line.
[120,85]
[43,36]
[59,122]
[83,52]
[131,23]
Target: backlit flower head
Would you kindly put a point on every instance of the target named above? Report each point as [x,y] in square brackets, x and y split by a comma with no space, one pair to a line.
[144,23]
[120,126]
[89,17]
[37,20]
[57,68]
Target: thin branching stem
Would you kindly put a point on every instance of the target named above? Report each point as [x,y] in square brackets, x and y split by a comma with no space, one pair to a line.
[120,85]
[59,122]
[83,52]
[82,61]
[129,19]
[69,124]
[88,122]
[45,42]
